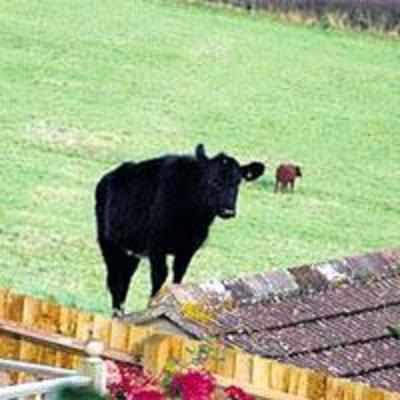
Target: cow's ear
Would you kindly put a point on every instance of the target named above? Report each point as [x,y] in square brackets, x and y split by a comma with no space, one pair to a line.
[201,153]
[252,171]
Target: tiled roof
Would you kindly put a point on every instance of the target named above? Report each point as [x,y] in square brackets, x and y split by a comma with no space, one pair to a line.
[330,316]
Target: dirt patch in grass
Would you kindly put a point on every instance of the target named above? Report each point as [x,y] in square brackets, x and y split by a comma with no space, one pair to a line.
[75,140]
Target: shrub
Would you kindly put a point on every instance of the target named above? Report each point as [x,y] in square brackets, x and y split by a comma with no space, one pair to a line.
[378,15]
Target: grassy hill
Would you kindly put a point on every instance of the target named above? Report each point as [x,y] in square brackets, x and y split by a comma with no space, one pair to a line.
[86,85]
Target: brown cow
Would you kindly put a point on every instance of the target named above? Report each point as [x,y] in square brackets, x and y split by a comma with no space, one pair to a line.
[286,174]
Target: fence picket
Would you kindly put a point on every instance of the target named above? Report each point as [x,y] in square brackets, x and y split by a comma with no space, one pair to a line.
[243,368]
[294,380]
[227,367]
[137,336]
[3,303]
[260,372]
[101,329]
[157,350]
[278,378]
[119,338]
[83,332]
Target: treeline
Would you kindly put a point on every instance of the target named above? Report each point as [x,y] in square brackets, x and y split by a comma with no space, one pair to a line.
[378,15]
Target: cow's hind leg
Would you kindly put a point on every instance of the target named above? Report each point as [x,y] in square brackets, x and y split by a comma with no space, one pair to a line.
[181,263]
[159,271]
[120,269]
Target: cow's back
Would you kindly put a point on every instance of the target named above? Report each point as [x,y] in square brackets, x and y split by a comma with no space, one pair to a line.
[123,202]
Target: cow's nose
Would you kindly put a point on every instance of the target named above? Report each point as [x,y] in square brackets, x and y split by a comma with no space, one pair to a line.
[228,213]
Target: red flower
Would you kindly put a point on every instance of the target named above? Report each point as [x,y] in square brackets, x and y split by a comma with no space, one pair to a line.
[235,393]
[193,385]
[126,381]
[147,395]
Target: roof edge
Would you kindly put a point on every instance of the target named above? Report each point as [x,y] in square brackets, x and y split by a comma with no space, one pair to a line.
[270,285]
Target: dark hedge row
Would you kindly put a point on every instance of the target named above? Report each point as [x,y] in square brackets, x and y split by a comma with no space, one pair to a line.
[383,15]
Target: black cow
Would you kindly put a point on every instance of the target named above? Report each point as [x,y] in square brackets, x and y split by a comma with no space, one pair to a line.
[163,206]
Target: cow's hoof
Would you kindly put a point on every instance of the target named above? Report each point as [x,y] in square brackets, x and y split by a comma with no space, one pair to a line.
[151,302]
[154,301]
[118,313]
[160,296]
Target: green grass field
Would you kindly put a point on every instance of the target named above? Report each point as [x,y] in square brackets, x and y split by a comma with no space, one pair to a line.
[86,85]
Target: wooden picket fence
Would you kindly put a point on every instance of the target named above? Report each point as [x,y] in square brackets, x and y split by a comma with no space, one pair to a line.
[57,320]
[36,331]
[264,378]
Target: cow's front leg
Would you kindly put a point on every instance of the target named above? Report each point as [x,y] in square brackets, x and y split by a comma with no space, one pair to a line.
[159,271]
[181,262]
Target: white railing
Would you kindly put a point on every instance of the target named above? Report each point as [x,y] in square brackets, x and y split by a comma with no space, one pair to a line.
[92,374]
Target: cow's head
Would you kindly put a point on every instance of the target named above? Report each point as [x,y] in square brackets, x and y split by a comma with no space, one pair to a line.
[298,171]
[222,176]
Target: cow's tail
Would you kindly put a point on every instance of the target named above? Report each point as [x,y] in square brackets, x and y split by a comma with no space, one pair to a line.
[100,202]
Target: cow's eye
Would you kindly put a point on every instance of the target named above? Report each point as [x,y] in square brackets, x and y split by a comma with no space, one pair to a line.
[224,161]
